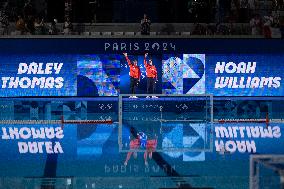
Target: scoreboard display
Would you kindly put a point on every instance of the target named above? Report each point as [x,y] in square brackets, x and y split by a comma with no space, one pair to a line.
[97,67]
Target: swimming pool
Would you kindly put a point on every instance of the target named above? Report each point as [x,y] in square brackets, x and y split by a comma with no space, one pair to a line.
[189,153]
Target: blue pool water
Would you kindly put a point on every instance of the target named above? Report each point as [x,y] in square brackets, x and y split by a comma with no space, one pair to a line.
[189,153]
